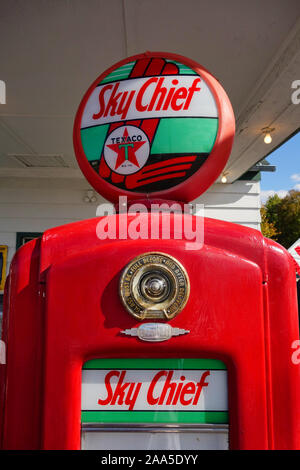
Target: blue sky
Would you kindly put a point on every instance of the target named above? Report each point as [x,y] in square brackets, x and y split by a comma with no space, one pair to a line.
[287,175]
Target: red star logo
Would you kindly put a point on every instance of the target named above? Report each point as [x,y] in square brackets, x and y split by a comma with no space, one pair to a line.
[126,150]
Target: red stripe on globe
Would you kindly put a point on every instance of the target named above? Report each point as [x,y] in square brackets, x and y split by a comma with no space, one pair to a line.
[155,125]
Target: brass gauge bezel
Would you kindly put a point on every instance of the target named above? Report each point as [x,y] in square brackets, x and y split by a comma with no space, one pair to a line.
[163,268]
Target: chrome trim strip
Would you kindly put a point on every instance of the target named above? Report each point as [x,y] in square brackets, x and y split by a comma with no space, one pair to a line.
[161,427]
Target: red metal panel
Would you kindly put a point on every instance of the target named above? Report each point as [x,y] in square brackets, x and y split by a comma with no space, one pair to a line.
[282,313]
[23,334]
[242,310]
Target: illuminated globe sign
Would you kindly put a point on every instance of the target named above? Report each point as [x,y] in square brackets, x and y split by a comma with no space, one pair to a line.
[154,125]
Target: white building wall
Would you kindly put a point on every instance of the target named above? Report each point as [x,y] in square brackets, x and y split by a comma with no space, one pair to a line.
[34,205]
[238,202]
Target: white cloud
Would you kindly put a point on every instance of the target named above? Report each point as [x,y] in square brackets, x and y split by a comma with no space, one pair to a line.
[295,177]
[264,195]
[297,187]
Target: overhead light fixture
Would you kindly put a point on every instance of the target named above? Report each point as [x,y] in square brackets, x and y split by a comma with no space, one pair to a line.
[267,138]
[224,177]
[89,196]
[267,134]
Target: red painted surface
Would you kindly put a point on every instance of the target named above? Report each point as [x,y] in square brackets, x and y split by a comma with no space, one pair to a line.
[203,178]
[62,308]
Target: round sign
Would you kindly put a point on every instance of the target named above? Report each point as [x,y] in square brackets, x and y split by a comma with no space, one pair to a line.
[154,125]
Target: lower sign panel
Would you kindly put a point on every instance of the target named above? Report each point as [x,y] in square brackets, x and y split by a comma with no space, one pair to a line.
[154,404]
[160,438]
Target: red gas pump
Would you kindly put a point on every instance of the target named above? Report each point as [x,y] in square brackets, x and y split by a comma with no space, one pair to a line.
[150,327]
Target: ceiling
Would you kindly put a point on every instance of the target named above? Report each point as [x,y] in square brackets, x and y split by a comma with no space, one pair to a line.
[51,51]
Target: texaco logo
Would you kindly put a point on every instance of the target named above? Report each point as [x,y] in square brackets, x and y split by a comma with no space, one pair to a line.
[126,150]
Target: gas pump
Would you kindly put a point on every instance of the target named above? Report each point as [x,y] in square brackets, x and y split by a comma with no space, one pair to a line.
[150,327]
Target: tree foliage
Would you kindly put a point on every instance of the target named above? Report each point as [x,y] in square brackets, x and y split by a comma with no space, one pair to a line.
[281,218]
[268,228]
